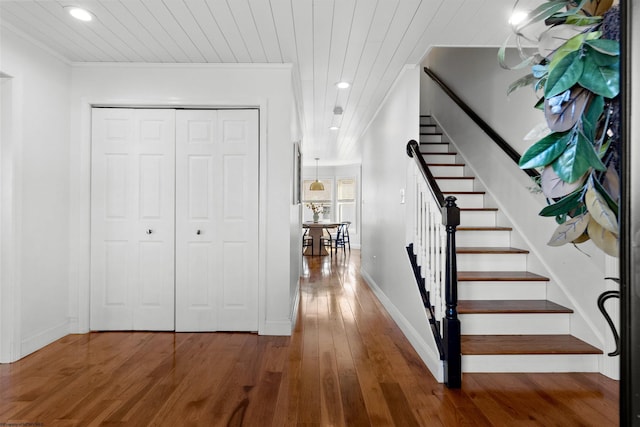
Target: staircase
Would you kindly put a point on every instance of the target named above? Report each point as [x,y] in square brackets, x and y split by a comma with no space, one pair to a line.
[507,324]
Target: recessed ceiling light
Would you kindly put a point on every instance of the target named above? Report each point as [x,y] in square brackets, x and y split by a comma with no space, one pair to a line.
[342,85]
[79,13]
[334,127]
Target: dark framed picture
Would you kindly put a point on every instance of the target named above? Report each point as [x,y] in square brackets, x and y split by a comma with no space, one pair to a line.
[297,174]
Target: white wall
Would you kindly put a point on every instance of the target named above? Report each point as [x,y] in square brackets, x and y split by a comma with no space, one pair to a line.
[265,86]
[385,169]
[577,278]
[39,194]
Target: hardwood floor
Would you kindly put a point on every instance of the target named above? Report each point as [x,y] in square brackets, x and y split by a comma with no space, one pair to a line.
[347,364]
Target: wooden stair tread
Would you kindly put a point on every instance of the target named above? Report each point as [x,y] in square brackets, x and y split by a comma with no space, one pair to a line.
[510,306]
[524,344]
[483,228]
[443,153]
[479,209]
[489,250]
[463,192]
[506,276]
[455,177]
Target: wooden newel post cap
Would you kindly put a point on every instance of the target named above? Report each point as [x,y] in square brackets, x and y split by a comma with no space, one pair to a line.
[412,143]
[450,212]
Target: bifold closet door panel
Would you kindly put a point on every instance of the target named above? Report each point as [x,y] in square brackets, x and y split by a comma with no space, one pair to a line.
[132,219]
[216,220]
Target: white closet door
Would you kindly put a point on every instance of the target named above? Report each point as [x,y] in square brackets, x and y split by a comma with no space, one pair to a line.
[217,220]
[132,219]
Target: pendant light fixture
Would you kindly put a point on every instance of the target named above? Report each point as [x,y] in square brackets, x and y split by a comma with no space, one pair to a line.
[316,185]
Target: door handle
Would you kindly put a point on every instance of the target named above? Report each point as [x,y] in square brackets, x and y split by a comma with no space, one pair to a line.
[149,231]
[198,232]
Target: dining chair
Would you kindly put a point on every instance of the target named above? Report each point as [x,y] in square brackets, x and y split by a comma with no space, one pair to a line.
[307,240]
[326,241]
[341,239]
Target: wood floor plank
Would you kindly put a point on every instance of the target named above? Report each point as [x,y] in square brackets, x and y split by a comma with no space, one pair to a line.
[346,364]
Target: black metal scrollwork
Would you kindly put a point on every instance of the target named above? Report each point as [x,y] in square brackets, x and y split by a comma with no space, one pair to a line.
[601,300]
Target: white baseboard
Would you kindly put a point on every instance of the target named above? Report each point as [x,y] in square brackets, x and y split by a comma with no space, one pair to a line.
[426,351]
[277,327]
[44,338]
[295,307]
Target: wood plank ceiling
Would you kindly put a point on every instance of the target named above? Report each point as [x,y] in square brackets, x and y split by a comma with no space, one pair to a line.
[363,42]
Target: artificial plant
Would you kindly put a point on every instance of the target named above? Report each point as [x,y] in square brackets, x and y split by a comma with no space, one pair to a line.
[575,71]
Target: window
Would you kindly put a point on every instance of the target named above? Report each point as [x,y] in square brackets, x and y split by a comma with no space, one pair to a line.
[339,200]
[346,200]
[322,198]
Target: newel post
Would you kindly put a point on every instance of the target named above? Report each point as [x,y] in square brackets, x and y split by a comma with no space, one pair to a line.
[451,326]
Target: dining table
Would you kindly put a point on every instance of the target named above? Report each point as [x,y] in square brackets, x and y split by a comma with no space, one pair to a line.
[315,230]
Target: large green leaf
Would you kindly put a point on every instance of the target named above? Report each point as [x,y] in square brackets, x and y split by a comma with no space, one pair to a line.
[565,205]
[544,151]
[601,80]
[564,75]
[600,59]
[572,45]
[577,159]
[583,21]
[606,46]
[591,116]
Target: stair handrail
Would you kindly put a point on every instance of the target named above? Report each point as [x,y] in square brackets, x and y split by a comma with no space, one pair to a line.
[450,219]
[499,140]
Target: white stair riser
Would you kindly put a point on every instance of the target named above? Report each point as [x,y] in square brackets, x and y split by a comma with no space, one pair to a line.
[427,121]
[487,290]
[531,363]
[478,218]
[468,200]
[455,184]
[492,262]
[447,170]
[515,324]
[431,138]
[483,238]
[440,158]
[436,147]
